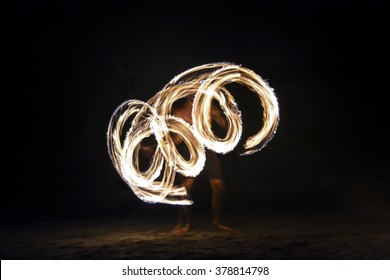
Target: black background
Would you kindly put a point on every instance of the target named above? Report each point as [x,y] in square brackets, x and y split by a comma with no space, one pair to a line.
[69,64]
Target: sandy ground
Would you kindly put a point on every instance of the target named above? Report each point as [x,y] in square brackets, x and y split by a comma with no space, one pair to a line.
[273,236]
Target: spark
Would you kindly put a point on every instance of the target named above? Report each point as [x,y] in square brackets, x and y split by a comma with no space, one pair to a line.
[206,83]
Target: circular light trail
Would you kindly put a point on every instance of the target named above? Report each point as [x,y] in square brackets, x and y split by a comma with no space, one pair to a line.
[207,84]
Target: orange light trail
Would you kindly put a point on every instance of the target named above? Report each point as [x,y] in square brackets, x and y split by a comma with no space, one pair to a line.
[154,118]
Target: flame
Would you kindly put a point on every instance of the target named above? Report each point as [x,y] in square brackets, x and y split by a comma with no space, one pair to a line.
[206,83]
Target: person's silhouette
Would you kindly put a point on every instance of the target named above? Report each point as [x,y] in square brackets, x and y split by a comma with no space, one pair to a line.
[212,170]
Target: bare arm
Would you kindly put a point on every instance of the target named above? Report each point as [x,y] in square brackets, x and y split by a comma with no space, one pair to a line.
[218,116]
[148,150]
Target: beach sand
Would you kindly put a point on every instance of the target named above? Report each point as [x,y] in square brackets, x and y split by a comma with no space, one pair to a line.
[266,236]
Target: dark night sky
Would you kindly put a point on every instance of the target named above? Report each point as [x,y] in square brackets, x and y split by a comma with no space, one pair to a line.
[70,64]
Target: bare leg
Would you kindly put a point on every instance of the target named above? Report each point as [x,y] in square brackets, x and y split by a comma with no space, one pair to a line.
[217,202]
[184,213]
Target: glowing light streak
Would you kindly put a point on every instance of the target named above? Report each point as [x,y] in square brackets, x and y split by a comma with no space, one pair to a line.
[204,84]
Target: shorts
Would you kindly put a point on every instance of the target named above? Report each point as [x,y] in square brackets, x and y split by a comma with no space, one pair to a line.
[212,168]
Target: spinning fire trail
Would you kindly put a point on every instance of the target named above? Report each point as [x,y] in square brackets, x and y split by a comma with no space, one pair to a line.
[207,83]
